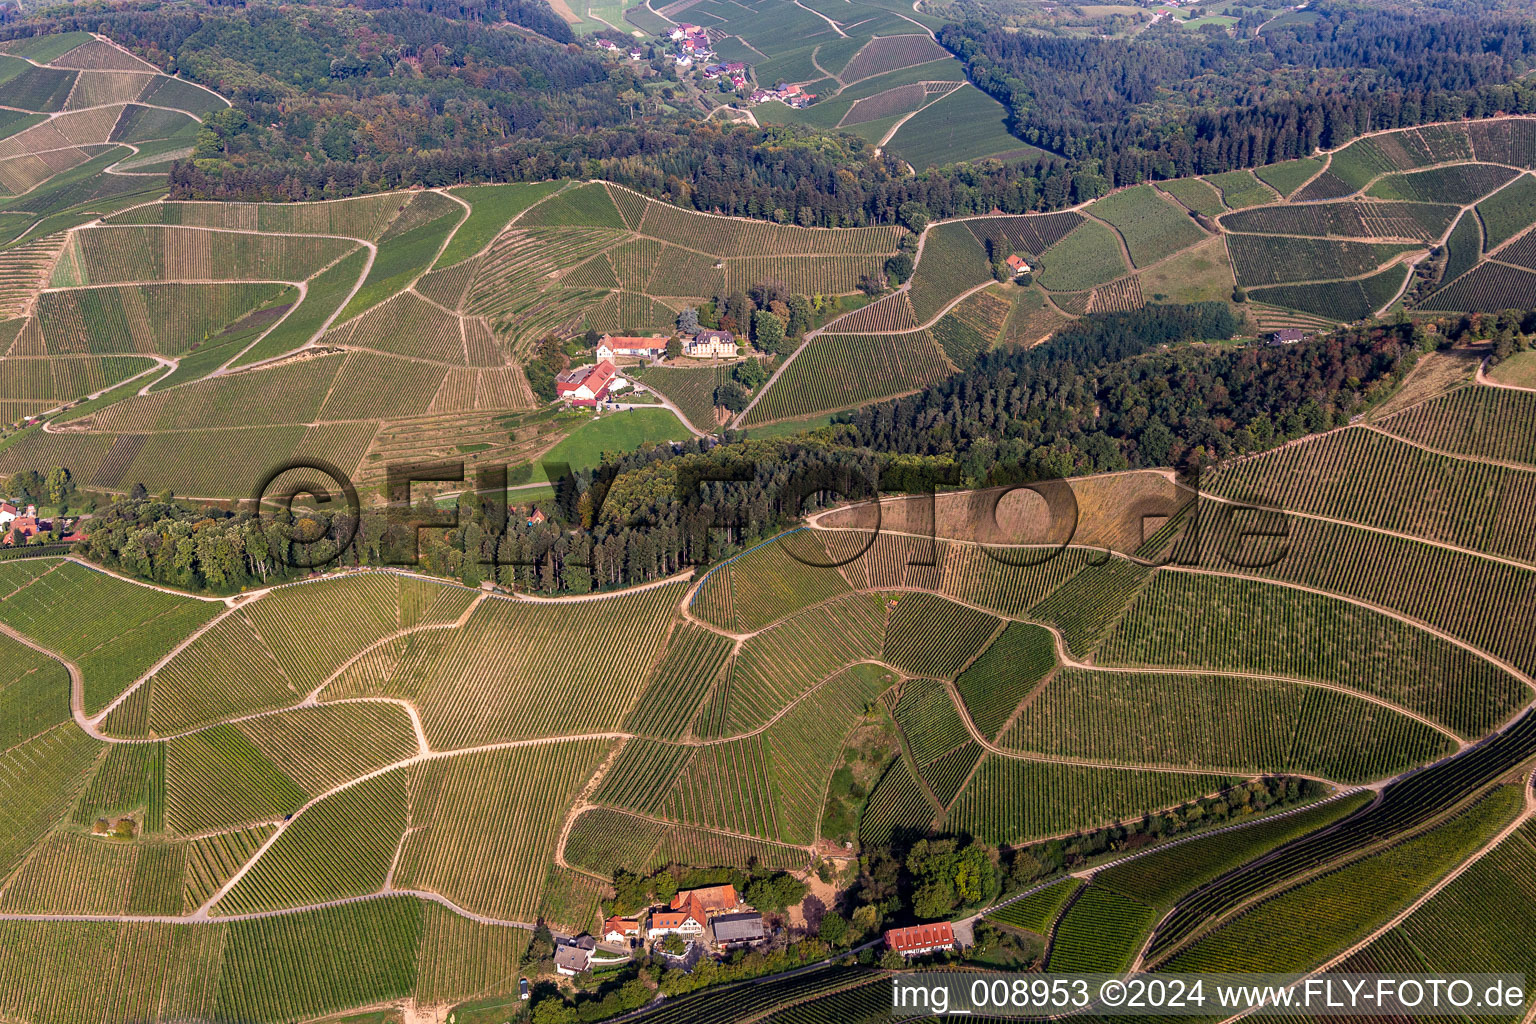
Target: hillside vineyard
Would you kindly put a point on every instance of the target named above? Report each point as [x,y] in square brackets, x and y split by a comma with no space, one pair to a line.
[692,513]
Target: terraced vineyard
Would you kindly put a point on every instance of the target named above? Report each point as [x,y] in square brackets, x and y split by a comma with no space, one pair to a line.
[369,788]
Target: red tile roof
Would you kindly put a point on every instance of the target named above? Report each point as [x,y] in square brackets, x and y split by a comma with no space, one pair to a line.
[713,897]
[920,937]
[675,918]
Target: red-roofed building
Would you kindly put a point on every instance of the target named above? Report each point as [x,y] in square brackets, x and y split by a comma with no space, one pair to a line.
[588,385]
[713,898]
[653,346]
[689,920]
[921,938]
[621,929]
[1017,264]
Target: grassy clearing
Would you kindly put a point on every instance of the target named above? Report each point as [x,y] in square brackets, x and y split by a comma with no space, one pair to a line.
[612,433]
[1201,273]
[1519,370]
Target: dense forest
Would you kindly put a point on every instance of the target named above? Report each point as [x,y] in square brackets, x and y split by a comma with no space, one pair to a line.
[340,100]
[1170,102]
[1155,387]
[350,98]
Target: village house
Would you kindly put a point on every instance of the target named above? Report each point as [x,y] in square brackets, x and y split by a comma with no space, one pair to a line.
[691,910]
[610,347]
[688,922]
[1018,266]
[608,44]
[572,956]
[621,929]
[7,513]
[711,343]
[921,938]
[589,385]
[1286,336]
[683,31]
[732,930]
[682,60]
[636,54]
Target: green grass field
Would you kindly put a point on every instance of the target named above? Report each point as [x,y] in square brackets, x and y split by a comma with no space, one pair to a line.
[613,432]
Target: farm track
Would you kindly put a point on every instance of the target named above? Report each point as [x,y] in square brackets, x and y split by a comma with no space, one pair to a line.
[831,324]
[835,26]
[1399,534]
[1487,381]
[1522,467]
[1065,659]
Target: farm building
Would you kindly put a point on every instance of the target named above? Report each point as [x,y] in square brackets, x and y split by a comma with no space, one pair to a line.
[1286,336]
[20,527]
[737,929]
[921,938]
[589,385]
[713,899]
[711,343]
[1018,266]
[650,347]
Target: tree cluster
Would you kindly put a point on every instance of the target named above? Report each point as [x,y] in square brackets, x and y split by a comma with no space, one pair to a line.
[1111,392]
[1029,864]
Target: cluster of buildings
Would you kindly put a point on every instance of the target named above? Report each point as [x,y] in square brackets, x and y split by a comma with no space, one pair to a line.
[690,48]
[716,909]
[593,384]
[714,915]
[18,527]
[705,343]
[789,95]
[735,70]
[692,45]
